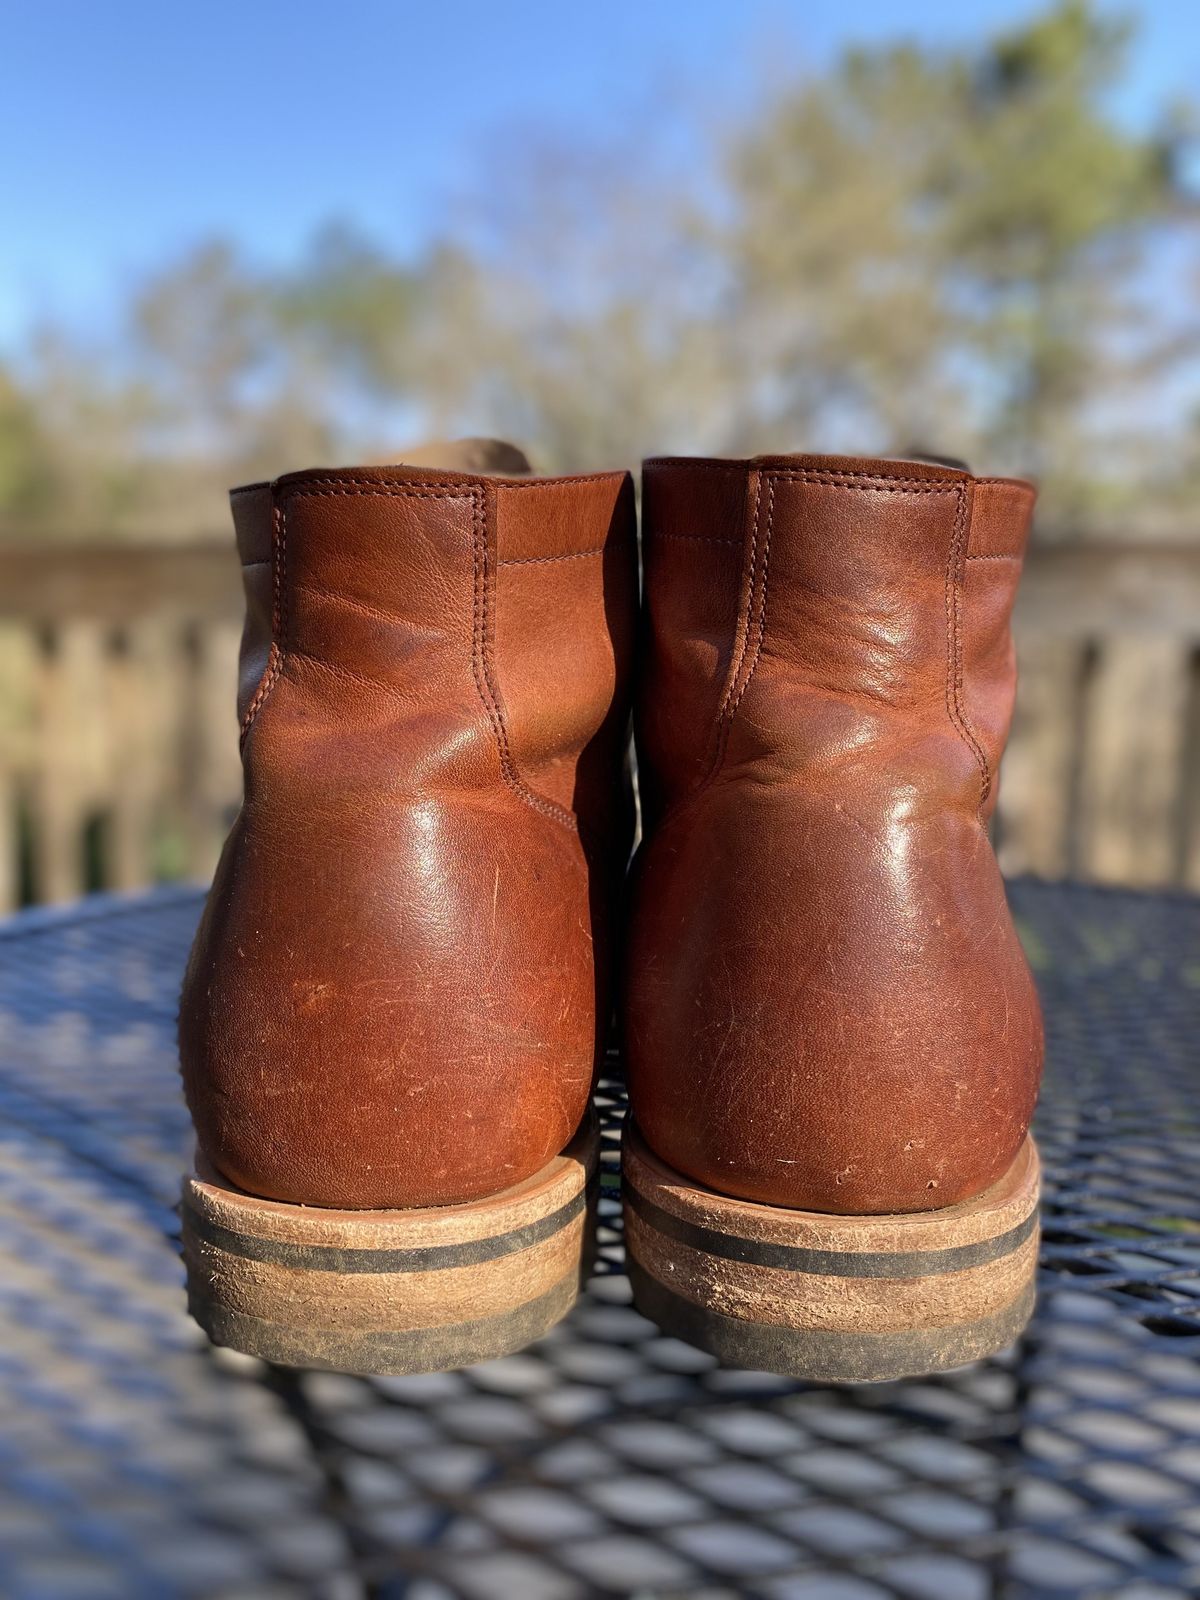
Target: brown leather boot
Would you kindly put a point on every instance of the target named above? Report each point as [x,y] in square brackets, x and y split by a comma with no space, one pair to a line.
[834,1041]
[392,1014]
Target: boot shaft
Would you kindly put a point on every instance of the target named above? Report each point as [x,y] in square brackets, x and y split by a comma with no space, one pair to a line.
[805,613]
[827,1007]
[396,996]
[466,630]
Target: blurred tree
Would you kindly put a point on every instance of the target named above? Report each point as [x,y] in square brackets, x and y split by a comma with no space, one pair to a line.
[238,391]
[201,332]
[966,249]
[223,373]
[352,308]
[574,316]
[27,467]
[951,246]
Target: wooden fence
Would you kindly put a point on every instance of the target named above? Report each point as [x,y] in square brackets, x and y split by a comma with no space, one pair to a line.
[1102,777]
[118,744]
[118,734]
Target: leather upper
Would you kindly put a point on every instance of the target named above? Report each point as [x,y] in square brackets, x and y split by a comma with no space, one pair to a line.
[397,990]
[827,1006]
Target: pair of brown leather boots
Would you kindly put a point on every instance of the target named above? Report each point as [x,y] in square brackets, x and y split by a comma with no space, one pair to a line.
[400,990]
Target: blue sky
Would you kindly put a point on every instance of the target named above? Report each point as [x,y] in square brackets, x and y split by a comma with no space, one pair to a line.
[131,130]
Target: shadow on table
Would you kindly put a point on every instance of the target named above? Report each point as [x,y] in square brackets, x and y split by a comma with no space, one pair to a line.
[606,1459]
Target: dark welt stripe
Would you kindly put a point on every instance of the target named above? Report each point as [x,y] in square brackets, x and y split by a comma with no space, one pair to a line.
[425,1258]
[829,1263]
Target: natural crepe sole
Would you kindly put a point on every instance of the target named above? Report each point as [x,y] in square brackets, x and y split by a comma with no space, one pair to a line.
[389,1291]
[831,1298]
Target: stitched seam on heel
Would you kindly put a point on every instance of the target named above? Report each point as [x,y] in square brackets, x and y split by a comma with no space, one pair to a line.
[868,483]
[955,699]
[756,618]
[751,591]
[275,655]
[483,666]
[761,624]
[720,732]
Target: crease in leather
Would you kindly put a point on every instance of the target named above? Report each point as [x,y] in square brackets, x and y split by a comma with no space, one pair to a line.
[483,645]
[752,611]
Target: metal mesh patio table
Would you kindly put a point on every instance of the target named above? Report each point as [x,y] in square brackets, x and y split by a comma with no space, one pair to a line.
[606,1460]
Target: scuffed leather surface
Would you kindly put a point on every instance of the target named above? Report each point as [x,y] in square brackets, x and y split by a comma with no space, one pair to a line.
[827,1006]
[395,995]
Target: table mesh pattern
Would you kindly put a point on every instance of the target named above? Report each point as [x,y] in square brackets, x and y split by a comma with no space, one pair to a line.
[607,1460]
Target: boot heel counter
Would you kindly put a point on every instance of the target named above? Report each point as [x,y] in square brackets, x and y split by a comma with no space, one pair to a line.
[851,1054]
[416,1032]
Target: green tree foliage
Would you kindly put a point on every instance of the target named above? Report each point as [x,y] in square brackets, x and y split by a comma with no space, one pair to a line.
[953,247]
[966,249]
[26,460]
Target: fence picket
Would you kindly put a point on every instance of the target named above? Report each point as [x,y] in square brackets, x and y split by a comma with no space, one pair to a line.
[118,667]
[1033,827]
[1131,787]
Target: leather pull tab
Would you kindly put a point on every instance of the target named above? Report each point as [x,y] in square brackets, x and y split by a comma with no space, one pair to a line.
[469,455]
[919,453]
